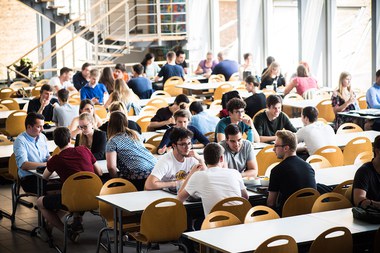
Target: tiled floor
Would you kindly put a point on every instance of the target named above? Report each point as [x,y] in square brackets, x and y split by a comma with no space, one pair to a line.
[16,242]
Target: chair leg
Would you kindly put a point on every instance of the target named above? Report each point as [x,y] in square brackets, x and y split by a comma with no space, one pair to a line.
[99,243]
[66,231]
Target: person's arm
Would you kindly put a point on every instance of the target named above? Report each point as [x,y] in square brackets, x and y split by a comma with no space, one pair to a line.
[74,129]
[157,124]
[198,157]
[199,69]
[252,169]
[46,174]
[272,198]
[244,194]
[98,171]
[339,108]
[199,136]
[182,194]
[153,183]
[44,103]
[112,163]
[32,165]
[360,199]
[372,100]
[248,121]
[164,142]
[220,137]
[290,86]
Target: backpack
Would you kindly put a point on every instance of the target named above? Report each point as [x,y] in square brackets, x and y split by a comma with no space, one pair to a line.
[227,96]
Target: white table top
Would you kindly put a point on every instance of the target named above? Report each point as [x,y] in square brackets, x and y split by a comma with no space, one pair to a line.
[7,150]
[296,122]
[335,175]
[143,102]
[205,86]
[300,103]
[343,139]
[5,114]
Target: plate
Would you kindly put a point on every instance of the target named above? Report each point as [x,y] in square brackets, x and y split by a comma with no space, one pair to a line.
[258,189]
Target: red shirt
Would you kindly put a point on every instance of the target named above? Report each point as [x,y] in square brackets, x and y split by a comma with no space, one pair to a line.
[71,161]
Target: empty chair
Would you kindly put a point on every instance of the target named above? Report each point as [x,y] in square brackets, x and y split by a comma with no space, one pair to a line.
[216,78]
[155,140]
[234,77]
[331,241]
[219,219]
[3,108]
[332,153]
[101,111]
[14,124]
[42,82]
[342,187]
[349,128]
[354,148]
[260,213]
[236,205]
[289,110]
[152,149]
[325,110]
[268,246]
[10,103]
[266,157]
[362,100]
[170,86]
[363,157]
[157,102]
[19,84]
[143,122]
[36,91]
[216,105]
[6,92]
[223,88]
[330,201]
[318,162]
[300,202]
[160,93]
[148,110]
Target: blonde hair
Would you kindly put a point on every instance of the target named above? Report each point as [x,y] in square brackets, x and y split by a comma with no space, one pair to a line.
[83,139]
[118,124]
[122,92]
[269,69]
[343,76]
[118,106]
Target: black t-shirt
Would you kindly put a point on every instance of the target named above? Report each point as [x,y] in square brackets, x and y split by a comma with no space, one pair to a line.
[289,176]
[269,81]
[268,128]
[79,81]
[168,71]
[35,104]
[183,64]
[98,147]
[255,103]
[367,179]
[161,115]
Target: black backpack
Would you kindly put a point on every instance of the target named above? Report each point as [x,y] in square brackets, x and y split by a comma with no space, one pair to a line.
[227,96]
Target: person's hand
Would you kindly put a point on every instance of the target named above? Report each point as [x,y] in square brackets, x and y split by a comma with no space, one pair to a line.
[170,121]
[196,168]
[44,102]
[95,101]
[162,150]
[247,121]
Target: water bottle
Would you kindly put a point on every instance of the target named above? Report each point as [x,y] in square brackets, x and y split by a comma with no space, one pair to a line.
[275,85]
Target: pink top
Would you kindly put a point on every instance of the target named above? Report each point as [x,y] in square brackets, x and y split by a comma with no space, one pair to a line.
[304,83]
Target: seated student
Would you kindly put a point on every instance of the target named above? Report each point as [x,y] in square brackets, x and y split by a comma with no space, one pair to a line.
[170,69]
[174,166]
[235,108]
[64,114]
[272,76]
[84,106]
[81,78]
[315,134]
[93,90]
[256,101]
[200,119]
[164,116]
[206,66]
[63,80]
[238,153]
[68,162]
[151,67]
[182,118]
[290,175]
[44,104]
[225,66]
[121,72]
[140,85]
[271,120]
[302,82]
[180,60]
[214,183]
[373,101]
[366,188]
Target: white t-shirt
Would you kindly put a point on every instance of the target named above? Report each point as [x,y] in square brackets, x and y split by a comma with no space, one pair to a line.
[168,168]
[316,135]
[215,184]
[56,82]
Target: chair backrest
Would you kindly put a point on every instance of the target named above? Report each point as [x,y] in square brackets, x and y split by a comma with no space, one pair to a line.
[234,77]
[4,140]
[264,158]
[36,91]
[260,213]
[325,110]
[101,111]
[155,140]
[3,108]
[300,202]
[216,79]
[19,84]
[79,192]
[157,102]
[56,151]
[257,113]
[362,100]
[10,103]
[152,149]
[160,93]
[354,148]
[318,162]
[238,206]
[210,136]
[330,201]
[216,105]
[342,187]
[73,101]
[332,153]
[163,220]
[363,157]
[349,128]
[219,219]
[332,241]
[269,246]
[223,88]
[12,168]
[170,86]
[143,122]
[6,92]
[148,110]
[348,194]
[42,82]
[269,169]
[310,93]
[15,123]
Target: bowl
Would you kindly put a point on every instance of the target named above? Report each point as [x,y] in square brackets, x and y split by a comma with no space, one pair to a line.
[264,181]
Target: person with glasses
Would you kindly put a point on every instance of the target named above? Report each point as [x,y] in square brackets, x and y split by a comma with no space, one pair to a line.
[272,119]
[236,111]
[239,153]
[84,106]
[173,167]
[291,174]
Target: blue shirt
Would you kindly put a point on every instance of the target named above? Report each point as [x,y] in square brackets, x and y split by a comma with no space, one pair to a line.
[223,123]
[204,122]
[141,86]
[30,149]
[373,96]
[168,71]
[226,68]
[87,92]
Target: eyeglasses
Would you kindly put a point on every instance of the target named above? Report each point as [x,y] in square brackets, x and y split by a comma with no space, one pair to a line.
[84,127]
[277,146]
[188,144]
[240,112]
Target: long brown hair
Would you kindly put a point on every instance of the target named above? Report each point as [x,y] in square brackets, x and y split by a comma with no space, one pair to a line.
[118,124]
[107,79]
[84,139]
[269,69]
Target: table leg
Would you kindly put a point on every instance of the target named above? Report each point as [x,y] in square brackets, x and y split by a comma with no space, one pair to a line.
[115,237]
[120,217]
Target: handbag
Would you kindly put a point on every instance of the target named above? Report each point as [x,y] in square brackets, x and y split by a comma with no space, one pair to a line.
[370,214]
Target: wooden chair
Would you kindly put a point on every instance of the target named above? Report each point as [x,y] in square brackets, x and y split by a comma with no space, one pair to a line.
[269,169]
[148,111]
[216,79]
[257,113]
[114,186]
[260,213]
[10,103]
[210,136]
[4,140]
[42,82]
[332,153]
[73,101]
[289,247]
[223,88]
[300,202]
[349,128]
[18,85]
[330,201]
[264,158]
[342,187]
[331,241]
[3,108]
[152,149]
[155,140]
[238,206]
[216,105]
[79,193]
[325,110]
[289,110]
[363,157]
[348,194]
[36,91]
[162,221]
[218,219]
[362,100]
[6,92]
[144,122]
[101,111]
[56,151]
[170,86]
[268,92]
[354,148]
[234,77]
[157,102]
[318,162]
[14,124]
[160,93]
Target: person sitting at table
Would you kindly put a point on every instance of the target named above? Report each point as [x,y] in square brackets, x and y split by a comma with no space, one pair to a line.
[235,108]
[121,72]
[140,85]
[91,137]
[239,153]
[206,66]
[272,76]
[164,116]
[225,67]
[31,151]
[272,119]
[170,69]
[291,174]
[62,81]
[214,183]
[255,102]
[151,67]
[315,134]
[93,89]
[247,68]
[68,162]
[64,114]
[366,187]
[343,100]
[180,60]
[202,120]
[44,104]
[84,106]
[373,101]
[182,118]
[269,61]
[126,152]
[174,166]
[81,78]
[107,79]
[302,82]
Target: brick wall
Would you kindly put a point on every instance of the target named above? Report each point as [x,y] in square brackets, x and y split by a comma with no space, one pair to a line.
[227,12]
